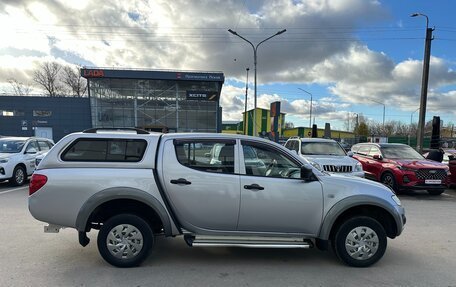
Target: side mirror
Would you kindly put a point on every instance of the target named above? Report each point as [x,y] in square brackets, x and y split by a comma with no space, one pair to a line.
[350,153]
[306,173]
[31,151]
[377,157]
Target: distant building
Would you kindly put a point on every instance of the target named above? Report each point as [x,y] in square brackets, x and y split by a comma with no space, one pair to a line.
[172,101]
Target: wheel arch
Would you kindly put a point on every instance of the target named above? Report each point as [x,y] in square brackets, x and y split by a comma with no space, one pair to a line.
[374,207]
[114,201]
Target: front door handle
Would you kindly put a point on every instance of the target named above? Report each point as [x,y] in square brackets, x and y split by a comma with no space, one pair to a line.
[180,181]
[254,187]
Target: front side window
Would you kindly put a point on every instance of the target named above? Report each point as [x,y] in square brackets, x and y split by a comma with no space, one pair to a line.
[105,150]
[374,151]
[261,160]
[207,155]
[32,147]
[44,145]
[363,150]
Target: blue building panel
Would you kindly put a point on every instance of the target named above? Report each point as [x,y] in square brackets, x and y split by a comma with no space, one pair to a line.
[22,115]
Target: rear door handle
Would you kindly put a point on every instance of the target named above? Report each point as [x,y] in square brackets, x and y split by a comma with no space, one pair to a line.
[180,181]
[254,187]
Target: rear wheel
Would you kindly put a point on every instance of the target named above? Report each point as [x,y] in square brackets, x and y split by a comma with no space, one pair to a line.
[125,240]
[360,241]
[436,191]
[19,176]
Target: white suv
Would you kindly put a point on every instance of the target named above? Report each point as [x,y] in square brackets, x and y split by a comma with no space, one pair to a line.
[326,155]
[17,157]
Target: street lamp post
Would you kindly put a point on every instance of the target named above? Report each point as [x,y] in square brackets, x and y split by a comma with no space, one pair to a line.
[255,48]
[310,113]
[245,108]
[424,83]
[411,120]
[384,107]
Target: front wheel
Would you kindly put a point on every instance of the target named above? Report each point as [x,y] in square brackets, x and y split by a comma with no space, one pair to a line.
[125,240]
[360,241]
[19,176]
[389,180]
[436,191]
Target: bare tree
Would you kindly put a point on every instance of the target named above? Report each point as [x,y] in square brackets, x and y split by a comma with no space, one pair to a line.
[47,76]
[73,80]
[19,88]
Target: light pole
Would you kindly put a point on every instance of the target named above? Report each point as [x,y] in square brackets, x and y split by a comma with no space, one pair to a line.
[424,83]
[310,113]
[384,107]
[411,120]
[245,108]
[411,116]
[255,48]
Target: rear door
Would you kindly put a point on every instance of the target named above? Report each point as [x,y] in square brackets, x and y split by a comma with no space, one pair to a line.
[274,198]
[201,178]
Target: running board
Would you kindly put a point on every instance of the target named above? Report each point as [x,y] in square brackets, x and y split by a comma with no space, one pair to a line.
[249,242]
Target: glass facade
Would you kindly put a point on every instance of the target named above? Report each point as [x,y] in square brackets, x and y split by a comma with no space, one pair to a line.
[174,105]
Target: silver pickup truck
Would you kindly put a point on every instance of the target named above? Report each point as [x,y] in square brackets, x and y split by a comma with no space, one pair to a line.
[211,189]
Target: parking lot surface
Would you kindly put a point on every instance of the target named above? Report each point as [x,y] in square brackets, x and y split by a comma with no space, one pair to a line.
[424,255]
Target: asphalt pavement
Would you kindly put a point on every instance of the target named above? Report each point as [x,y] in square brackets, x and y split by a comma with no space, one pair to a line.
[424,255]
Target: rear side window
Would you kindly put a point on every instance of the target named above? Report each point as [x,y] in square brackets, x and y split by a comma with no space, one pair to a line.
[210,156]
[105,150]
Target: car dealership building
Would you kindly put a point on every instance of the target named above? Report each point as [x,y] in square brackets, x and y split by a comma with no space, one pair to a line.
[174,101]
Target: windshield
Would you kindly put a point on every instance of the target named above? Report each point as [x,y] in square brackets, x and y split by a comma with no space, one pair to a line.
[401,152]
[322,148]
[11,146]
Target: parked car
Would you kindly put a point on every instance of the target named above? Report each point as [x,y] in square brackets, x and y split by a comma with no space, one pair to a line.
[400,167]
[165,184]
[326,155]
[17,157]
[449,158]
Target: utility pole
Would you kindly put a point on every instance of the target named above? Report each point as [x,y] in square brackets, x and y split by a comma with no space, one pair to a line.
[424,84]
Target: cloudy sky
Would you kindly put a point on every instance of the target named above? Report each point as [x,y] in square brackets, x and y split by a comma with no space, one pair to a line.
[353,56]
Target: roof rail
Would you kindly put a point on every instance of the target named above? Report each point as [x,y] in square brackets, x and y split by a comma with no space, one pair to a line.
[95,130]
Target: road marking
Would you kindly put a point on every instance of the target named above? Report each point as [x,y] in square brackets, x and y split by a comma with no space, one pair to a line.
[11,190]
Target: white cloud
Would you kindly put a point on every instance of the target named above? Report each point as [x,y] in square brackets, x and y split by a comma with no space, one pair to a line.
[319,47]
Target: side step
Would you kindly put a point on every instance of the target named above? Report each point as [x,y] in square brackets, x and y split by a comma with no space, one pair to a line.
[244,241]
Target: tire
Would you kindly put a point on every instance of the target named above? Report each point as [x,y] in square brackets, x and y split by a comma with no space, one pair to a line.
[133,236]
[19,176]
[435,191]
[389,180]
[360,241]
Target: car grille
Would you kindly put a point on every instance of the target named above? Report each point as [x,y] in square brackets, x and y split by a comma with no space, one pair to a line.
[337,168]
[431,174]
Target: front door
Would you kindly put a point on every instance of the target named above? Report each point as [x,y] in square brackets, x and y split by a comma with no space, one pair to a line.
[201,178]
[273,197]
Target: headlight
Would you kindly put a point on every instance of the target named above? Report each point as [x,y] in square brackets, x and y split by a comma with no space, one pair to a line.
[316,165]
[358,167]
[405,168]
[396,200]
[3,160]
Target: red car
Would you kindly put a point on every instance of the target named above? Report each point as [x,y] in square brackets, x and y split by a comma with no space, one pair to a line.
[400,167]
